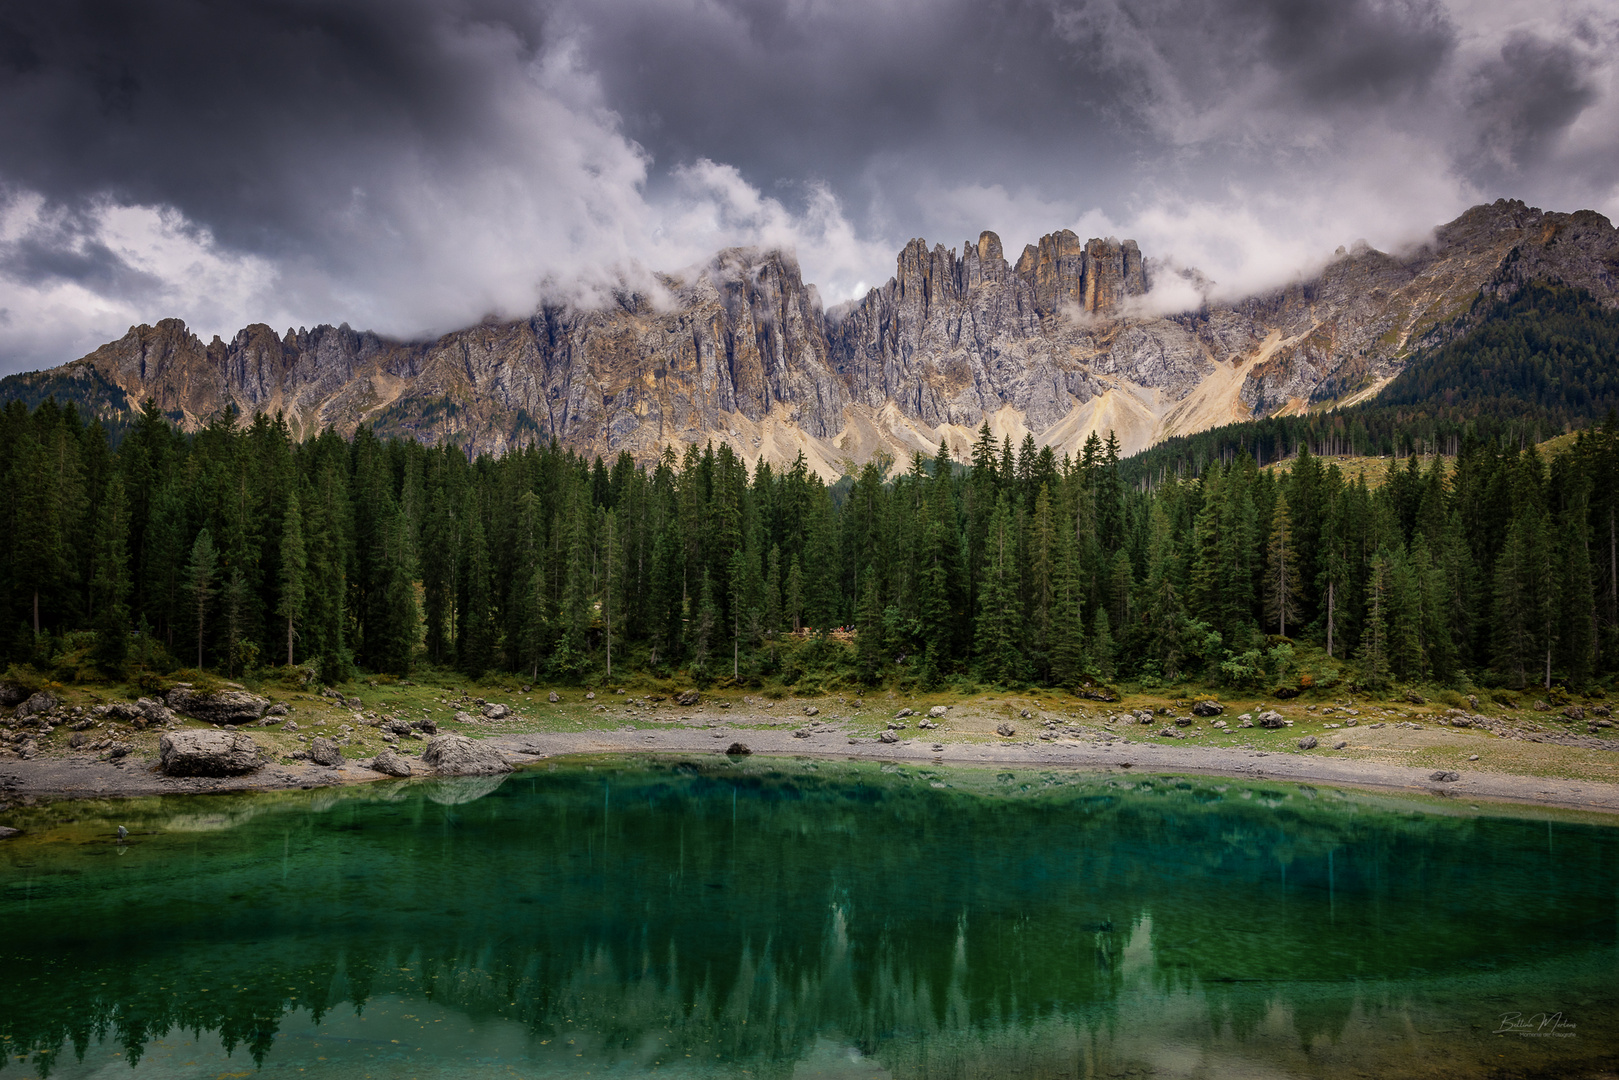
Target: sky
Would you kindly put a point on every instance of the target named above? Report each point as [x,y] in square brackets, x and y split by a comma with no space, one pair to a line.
[413,166]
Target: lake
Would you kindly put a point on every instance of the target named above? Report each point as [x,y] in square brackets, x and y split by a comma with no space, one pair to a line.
[793,918]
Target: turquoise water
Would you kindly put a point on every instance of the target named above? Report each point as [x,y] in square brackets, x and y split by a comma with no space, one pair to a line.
[800,919]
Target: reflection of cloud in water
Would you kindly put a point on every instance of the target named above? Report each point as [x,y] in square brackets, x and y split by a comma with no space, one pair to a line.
[456,790]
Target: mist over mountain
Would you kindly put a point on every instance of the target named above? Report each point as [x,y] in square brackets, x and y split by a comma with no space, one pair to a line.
[1068,338]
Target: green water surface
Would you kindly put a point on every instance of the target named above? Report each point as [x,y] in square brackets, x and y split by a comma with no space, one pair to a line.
[621,917]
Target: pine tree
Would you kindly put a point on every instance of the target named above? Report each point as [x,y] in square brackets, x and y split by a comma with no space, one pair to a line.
[1102,659]
[795,594]
[200,573]
[1374,645]
[612,560]
[235,596]
[999,637]
[111,580]
[772,622]
[477,637]
[294,565]
[1282,580]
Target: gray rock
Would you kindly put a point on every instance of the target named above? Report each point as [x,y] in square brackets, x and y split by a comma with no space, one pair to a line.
[938,711]
[1308,743]
[219,706]
[1574,712]
[553,697]
[12,694]
[278,709]
[390,764]
[396,726]
[1006,729]
[496,712]
[425,725]
[1207,707]
[888,737]
[465,718]
[1271,719]
[78,740]
[687,697]
[42,702]
[1340,744]
[207,753]
[1444,776]
[1143,716]
[811,710]
[737,749]
[325,752]
[801,734]
[457,755]
[28,749]
[903,713]
[7,832]
[1183,721]
[590,696]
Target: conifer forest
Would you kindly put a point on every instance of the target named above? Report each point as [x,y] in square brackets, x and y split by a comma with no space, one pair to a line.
[239,549]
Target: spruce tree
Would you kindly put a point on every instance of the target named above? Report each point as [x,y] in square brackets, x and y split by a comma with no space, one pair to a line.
[111,580]
[294,566]
[201,571]
[1283,584]
[1374,644]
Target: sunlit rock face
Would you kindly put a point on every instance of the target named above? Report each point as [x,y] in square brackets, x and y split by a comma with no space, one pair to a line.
[1073,338]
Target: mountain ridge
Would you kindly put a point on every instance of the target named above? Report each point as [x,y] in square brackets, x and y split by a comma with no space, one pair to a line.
[1057,345]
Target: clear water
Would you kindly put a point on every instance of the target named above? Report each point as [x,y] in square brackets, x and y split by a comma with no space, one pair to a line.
[800,919]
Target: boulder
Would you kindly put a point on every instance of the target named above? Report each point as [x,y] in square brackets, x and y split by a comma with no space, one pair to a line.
[325,752]
[154,712]
[737,749]
[207,753]
[938,711]
[888,737]
[590,696]
[801,734]
[278,709]
[42,702]
[390,764]
[811,710]
[1271,719]
[464,717]
[1340,744]
[687,697]
[457,755]
[218,706]
[1308,743]
[1444,776]
[903,713]
[396,727]
[12,694]
[496,712]
[1005,728]
[7,832]
[1574,712]
[426,726]
[1183,721]
[553,697]
[1207,708]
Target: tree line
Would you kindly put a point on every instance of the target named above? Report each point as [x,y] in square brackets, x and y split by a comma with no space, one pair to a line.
[1521,369]
[238,548]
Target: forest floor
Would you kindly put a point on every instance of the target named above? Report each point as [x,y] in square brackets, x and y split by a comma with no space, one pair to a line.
[1505,754]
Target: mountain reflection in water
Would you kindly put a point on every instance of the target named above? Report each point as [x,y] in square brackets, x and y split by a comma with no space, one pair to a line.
[806,919]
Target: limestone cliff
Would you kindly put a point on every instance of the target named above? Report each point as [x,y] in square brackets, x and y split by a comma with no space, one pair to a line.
[1063,343]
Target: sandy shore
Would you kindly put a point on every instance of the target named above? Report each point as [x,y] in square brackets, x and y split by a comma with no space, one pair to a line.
[84,777]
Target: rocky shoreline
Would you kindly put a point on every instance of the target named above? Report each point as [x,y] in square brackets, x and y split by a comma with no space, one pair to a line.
[133,775]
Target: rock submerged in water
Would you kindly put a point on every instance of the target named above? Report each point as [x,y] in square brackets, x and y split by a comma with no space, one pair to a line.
[457,755]
[390,764]
[218,706]
[325,752]
[207,753]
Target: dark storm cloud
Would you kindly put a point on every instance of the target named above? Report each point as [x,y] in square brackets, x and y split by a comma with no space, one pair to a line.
[1526,98]
[413,164]
[255,118]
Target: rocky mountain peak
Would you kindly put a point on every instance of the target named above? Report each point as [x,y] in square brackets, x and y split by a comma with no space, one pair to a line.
[740,351]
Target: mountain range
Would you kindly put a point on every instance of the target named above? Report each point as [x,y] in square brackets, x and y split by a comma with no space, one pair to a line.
[1069,339]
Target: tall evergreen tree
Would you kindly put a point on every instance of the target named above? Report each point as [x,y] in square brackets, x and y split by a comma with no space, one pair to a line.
[201,571]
